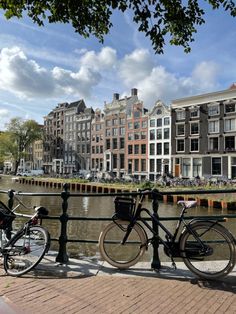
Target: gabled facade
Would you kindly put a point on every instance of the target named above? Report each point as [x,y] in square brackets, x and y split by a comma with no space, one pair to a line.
[97,141]
[159,135]
[136,141]
[114,136]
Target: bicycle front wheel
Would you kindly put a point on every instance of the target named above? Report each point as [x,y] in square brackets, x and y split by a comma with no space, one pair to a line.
[26,250]
[208,250]
[122,255]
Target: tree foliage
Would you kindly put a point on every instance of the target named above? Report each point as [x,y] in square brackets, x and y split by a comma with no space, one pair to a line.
[157,19]
[17,139]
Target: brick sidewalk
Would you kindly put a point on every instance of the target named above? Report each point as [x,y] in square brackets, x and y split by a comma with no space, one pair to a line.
[115,294]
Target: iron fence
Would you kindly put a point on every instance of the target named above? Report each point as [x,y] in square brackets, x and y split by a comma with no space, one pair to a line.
[62,256]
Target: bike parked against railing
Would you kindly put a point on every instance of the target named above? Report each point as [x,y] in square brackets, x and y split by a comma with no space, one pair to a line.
[24,249]
[206,246]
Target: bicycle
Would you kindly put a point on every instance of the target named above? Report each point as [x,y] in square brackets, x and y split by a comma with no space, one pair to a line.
[24,249]
[206,246]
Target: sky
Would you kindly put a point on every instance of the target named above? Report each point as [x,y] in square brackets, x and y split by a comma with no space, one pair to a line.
[43,66]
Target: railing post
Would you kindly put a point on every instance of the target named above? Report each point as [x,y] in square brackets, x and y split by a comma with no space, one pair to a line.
[10,205]
[62,256]
[156,264]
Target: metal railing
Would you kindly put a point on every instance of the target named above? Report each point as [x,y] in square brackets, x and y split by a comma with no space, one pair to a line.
[62,256]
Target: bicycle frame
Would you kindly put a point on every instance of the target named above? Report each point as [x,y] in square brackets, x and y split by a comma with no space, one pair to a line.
[170,242]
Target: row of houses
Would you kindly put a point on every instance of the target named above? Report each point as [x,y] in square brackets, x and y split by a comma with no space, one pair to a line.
[193,137]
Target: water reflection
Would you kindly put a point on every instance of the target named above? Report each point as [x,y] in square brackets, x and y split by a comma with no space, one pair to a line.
[89,207]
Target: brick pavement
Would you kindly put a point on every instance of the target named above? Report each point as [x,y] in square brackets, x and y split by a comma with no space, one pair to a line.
[74,292]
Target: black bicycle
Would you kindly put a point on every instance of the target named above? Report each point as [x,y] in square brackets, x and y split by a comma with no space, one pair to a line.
[23,249]
[206,247]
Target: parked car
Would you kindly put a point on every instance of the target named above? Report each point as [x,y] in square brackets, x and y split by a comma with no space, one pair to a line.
[30,173]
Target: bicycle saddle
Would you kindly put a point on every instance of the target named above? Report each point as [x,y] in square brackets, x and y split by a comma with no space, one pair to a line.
[187,204]
[41,210]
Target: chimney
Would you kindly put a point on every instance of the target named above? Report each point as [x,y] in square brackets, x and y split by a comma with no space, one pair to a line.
[116,96]
[134,92]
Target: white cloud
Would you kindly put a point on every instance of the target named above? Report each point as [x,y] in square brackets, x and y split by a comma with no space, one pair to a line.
[26,78]
[136,66]
[105,59]
[155,82]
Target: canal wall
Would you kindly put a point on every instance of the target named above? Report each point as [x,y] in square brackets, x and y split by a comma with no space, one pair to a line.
[95,188]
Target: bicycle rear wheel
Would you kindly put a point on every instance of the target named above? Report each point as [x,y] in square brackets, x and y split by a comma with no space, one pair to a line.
[122,255]
[26,250]
[214,255]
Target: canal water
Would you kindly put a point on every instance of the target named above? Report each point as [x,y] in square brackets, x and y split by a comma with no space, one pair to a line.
[90,207]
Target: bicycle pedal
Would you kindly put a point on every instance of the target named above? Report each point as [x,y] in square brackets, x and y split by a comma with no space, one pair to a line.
[174,265]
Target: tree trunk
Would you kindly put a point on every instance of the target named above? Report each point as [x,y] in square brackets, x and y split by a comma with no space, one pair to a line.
[16,166]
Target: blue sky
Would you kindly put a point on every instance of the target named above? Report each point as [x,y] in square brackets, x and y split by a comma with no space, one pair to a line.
[43,66]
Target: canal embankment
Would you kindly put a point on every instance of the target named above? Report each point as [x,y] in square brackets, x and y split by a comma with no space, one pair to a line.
[219,200]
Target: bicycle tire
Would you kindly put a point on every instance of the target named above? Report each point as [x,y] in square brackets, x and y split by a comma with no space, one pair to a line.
[116,254]
[26,250]
[220,258]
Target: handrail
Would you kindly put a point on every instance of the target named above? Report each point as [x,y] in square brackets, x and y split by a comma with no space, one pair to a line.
[62,256]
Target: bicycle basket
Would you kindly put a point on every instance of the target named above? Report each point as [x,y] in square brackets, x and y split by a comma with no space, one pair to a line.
[6,216]
[124,208]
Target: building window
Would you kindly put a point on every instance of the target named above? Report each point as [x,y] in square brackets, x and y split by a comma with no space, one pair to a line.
[136,136]
[122,142]
[229,143]
[136,164]
[213,126]
[152,134]
[122,121]
[213,143]
[108,122]
[108,132]
[122,161]
[130,125]
[130,149]
[213,110]
[194,128]
[158,165]
[197,167]
[230,125]
[114,143]
[136,125]
[186,167]
[167,121]
[130,136]
[166,148]
[136,149]
[159,134]
[180,129]
[144,124]
[114,161]
[114,131]
[143,135]
[136,114]
[194,145]
[108,144]
[180,115]
[115,121]
[180,146]
[152,123]
[159,148]
[143,149]
[143,165]
[122,131]
[152,149]
[152,165]
[159,122]
[229,108]
[216,166]
[166,133]
[194,112]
